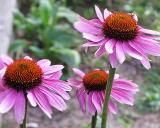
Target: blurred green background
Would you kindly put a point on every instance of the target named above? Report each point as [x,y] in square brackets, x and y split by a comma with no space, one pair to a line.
[44,29]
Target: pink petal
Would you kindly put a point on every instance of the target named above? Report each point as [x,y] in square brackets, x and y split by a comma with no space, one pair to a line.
[109,45]
[131,51]
[28,57]
[75,83]
[9,100]
[6,59]
[101,51]
[99,14]
[125,85]
[113,60]
[2,72]
[31,99]
[134,17]
[57,89]
[42,102]
[146,63]
[81,95]
[96,22]
[78,72]
[59,83]
[106,13]
[55,100]
[92,44]
[1,64]
[92,37]
[19,107]
[120,52]
[148,31]
[55,75]
[3,95]
[44,63]
[51,69]
[124,97]
[91,107]
[87,27]
[112,107]
[97,102]
[149,46]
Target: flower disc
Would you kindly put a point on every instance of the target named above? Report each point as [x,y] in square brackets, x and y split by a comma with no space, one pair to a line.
[95,80]
[23,74]
[120,26]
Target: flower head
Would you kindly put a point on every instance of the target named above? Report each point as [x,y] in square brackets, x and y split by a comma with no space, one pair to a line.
[91,90]
[38,82]
[118,34]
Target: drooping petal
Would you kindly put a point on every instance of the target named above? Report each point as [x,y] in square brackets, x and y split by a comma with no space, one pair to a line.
[148,31]
[59,83]
[145,62]
[99,14]
[55,100]
[78,72]
[149,46]
[120,52]
[81,95]
[42,102]
[122,96]
[19,107]
[113,60]
[131,51]
[31,98]
[9,100]
[97,102]
[112,107]
[101,51]
[91,108]
[125,85]
[56,89]
[75,82]
[109,45]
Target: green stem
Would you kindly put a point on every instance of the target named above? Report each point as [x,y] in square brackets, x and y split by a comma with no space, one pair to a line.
[23,125]
[94,120]
[107,96]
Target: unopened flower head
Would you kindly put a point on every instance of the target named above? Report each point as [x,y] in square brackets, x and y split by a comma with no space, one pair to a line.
[118,34]
[91,90]
[36,81]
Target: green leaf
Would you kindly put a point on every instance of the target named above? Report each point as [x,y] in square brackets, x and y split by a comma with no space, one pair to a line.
[37,51]
[45,11]
[68,14]
[17,45]
[68,56]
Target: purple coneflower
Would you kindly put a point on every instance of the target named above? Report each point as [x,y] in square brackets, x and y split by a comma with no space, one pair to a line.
[38,82]
[91,90]
[118,34]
